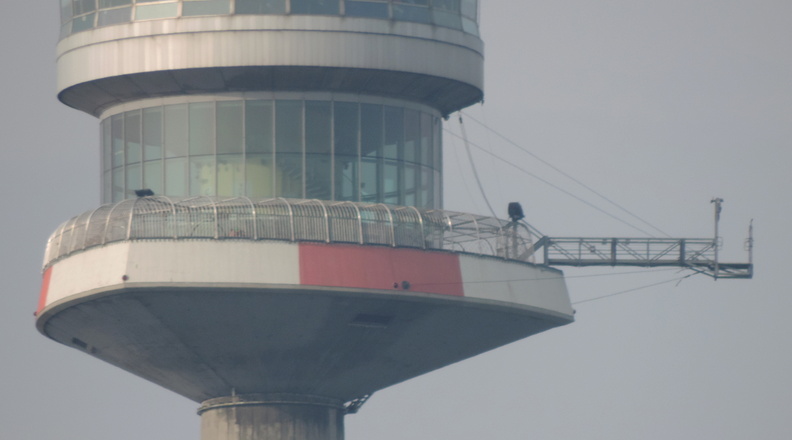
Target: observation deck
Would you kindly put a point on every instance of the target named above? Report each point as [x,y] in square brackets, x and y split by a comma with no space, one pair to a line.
[212,296]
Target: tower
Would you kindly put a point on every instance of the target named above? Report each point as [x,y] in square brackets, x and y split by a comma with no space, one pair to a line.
[290,255]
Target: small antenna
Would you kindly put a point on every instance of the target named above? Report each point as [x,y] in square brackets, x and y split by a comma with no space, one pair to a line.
[718,202]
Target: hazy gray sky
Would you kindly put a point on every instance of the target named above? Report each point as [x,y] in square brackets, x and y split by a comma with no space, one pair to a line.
[659,105]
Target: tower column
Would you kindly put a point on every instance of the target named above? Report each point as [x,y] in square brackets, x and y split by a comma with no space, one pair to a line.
[272,417]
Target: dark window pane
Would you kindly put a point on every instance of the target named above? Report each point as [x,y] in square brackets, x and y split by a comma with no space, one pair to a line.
[412,135]
[448,5]
[447,19]
[83,6]
[418,14]
[260,6]
[345,132]
[66,10]
[134,179]
[107,142]
[288,126]
[229,127]
[83,23]
[394,132]
[317,177]
[258,126]
[371,130]
[366,9]
[317,127]
[319,7]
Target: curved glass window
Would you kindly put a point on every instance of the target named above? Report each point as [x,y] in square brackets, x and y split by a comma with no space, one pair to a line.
[82,15]
[311,149]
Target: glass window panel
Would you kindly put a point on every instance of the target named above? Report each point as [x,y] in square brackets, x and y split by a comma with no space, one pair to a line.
[369,187]
[83,6]
[410,178]
[412,135]
[390,184]
[202,122]
[258,126]
[371,130]
[318,131]
[260,6]
[104,4]
[132,135]
[437,145]
[65,30]
[318,184]
[427,137]
[366,9]
[149,12]
[447,19]
[107,142]
[289,175]
[83,23]
[230,175]
[470,8]
[229,127]
[418,14]
[394,132]
[107,187]
[176,177]
[470,26]
[202,176]
[176,130]
[206,7]
[448,5]
[115,16]
[152,133]
[319,7]
[288,126]
[134,179]
[346,178]
[66,11]
[152,176]
[258,175]
[117,122]
[345,137]
[118,184]
[413,2]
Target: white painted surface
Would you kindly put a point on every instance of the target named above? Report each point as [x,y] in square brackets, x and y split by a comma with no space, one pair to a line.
[211,262]
[501,280]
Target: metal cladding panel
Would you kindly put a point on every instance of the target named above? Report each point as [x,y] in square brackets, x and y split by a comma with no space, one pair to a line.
[121,62]
[513,282]
[381,268]
[172,262]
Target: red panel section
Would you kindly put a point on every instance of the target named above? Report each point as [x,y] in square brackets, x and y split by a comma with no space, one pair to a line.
[44,288]
[375,267]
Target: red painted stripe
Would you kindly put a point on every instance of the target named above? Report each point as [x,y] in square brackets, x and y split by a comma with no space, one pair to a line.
[45,282]
[379,267]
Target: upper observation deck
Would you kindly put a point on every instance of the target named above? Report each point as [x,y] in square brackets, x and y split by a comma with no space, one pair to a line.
[117,51]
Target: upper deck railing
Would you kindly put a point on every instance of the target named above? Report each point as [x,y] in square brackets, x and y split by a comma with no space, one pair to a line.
[242,218]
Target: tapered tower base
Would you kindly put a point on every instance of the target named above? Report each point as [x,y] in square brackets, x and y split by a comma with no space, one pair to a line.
[272,417]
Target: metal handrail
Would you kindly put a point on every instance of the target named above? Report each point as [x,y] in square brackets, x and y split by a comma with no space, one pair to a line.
[437,229]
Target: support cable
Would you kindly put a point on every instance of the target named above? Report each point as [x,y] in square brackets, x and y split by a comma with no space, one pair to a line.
[568,176]
[546,182]
[473,166]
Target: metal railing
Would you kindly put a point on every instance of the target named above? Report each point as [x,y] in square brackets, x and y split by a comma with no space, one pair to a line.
[295,220]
